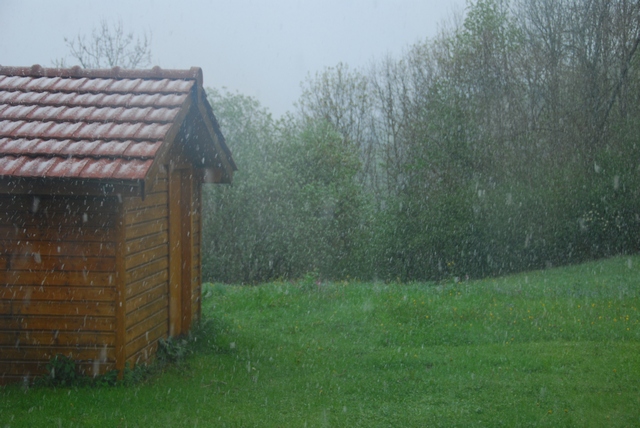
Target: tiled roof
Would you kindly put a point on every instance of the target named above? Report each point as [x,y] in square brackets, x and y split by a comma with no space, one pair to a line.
[93,124]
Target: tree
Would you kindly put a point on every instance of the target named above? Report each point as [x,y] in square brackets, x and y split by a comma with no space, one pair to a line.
[109,46]
[340,97]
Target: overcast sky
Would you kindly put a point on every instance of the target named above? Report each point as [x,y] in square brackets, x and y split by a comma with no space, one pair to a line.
[258,48]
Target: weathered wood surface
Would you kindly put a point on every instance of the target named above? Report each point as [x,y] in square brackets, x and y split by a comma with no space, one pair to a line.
[67,338]
[53,293]
[56,323]
[146,271]
[57,282]
[196,257]
[77,279]
[89,277]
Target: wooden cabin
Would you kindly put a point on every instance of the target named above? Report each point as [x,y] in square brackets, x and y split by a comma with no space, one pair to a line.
[100,225]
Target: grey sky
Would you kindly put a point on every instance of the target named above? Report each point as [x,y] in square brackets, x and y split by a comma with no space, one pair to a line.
[259,48]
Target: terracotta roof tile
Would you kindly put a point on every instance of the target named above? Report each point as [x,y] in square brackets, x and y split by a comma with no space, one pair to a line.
[151,131]
[96,85]
[40,113]
[68,167]
[46,147]
[61,131]
[7,127]
[35,167]
[80,148]
[41,84]
[111,148]
[35,129]
[16,112]
[131,168]
[12,146]
[90,124]
[70,85]
[6,96]
[151,86]
[9,164]
[124,86]
[12,82]
[99,168]
[161,115]
[29,97]
[103,114]
[122,131]
[142,149]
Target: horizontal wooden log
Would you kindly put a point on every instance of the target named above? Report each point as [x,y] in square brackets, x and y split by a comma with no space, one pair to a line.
[147,297]
[45,353]
[57,338]
[138,315]
[145,284]
[59,219]
[20,371]
[144,355]
[148,228]
[146,340]
[146,270]
[146,256]
[133,246]
[28,293]
[147,324]
[150,200]
[159,184]
[36,262]
[145,215]
[62,323]
[44,308]
[77,279]
[57,248]
[69,234]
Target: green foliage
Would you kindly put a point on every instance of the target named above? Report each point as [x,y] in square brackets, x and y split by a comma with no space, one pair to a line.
[295,207]
[507,143]
[62,371]
[173,350]
[138,374]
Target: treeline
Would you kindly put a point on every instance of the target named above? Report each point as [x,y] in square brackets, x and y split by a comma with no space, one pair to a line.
[508,142]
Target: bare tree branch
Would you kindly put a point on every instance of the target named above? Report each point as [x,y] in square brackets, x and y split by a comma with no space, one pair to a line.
[109,46]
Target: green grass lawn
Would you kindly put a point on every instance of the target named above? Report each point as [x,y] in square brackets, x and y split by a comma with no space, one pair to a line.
[553,348]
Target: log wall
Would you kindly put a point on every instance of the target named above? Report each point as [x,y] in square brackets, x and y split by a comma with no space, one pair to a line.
[66,263]
[57,283]
[147,271]
[196,252]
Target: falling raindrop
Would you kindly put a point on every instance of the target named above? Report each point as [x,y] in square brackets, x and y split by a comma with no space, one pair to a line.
[35,204]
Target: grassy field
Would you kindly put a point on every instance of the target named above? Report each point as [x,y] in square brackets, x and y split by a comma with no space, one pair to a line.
[553,348]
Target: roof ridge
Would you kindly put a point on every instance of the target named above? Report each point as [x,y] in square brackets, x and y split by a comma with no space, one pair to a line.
[194,73]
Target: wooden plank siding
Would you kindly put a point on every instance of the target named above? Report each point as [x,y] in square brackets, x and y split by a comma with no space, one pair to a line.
[196,260]
[146,271]
[57,283]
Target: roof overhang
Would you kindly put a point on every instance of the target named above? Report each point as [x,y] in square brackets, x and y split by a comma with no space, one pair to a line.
[104,131]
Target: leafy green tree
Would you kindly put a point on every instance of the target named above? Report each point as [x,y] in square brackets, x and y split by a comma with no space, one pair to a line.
[240,221]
